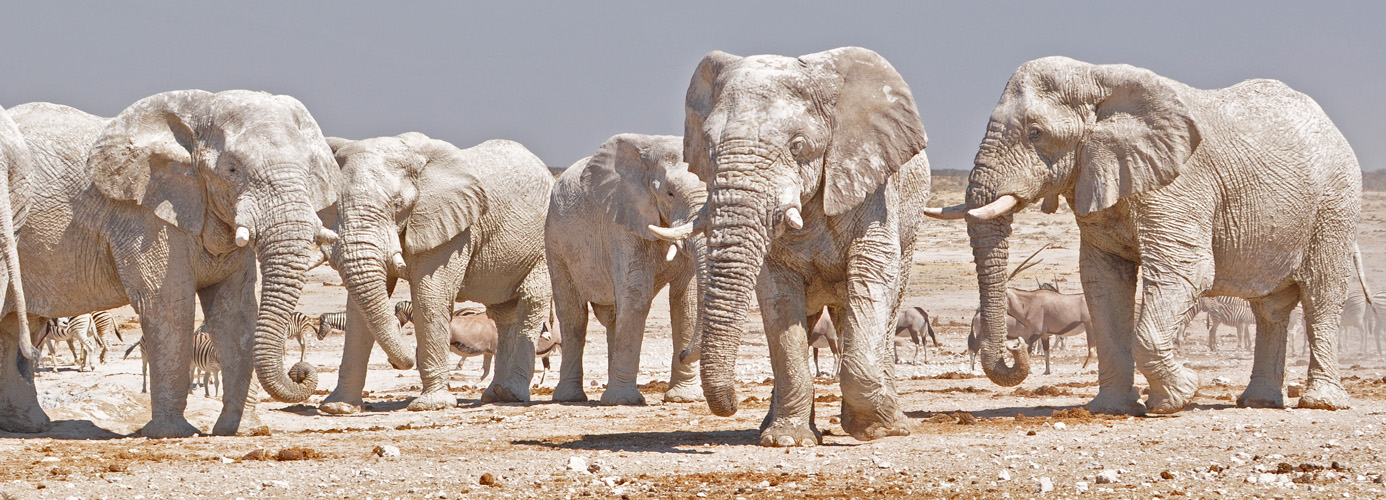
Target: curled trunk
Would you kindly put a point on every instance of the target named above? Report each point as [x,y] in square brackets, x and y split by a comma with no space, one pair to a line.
[990,251]
[364,274]
[283,250]
[737,241]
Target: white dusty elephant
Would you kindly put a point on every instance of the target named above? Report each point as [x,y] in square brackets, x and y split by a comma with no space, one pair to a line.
[19,409]
[178,195]
[602,252]
[816,180]
[1247,191]
[463,224]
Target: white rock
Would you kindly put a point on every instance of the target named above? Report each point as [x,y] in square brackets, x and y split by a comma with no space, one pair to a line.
[51,459]
[1004,475]
[1058,426]
[1222,381]
[880,462]
[1251,478]
[1081,486]
[578,464]
[1046,485]
[387,451]
[1107,476]
[275,483]
[227,460]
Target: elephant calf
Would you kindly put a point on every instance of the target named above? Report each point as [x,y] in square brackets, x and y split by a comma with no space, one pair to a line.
[602,252]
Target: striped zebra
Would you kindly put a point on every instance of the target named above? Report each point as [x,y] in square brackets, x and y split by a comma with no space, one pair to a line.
[1232,311]
[299,325]
[331,322]
[204,363]
[105,322]
[404,312]
[76,331]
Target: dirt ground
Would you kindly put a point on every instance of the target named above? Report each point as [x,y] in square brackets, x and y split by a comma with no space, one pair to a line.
[972,439]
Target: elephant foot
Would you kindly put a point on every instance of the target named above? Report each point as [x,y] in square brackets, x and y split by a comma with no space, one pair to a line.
[339,408]
[1116,402]
[622,396]
[1261,395]
[786,435]
[569,393]
[28,419]
[160,428]
[1325,396]
[248,423]
[499,393]
[1173,392]
[434,400]
[684,393]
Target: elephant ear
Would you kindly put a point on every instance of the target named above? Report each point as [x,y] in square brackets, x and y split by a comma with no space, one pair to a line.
[702,91]
[324,173]
[1143,136]
[146,155]
[450,199]
[876,126]
[618,179]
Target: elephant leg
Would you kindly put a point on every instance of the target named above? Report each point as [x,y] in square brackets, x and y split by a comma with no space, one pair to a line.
[790,420]
[229,309]
[1323,307]
[1171,290]
[168,327]
[633,282]
[518,328]
[683,318]
[571,311]
[433,298]
[19,407]
[1109,285]
[346,399]
[1268,368]
[876,276]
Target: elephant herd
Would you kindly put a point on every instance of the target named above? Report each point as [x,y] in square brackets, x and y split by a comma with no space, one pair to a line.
[800,184]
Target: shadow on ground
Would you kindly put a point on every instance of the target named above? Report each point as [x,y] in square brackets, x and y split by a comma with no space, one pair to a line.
[663,442]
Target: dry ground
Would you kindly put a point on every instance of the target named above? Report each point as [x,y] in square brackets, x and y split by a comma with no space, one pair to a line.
[973,439]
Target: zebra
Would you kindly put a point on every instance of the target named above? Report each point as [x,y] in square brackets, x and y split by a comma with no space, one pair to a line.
[1228,311]
[75,330]
[204,362]
[105,322]
[299,324]
[330,322]
[404,312]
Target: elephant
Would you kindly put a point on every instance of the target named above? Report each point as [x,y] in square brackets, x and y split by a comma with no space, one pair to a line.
[602,252]
[184,192]
[1246,191]
[457,224]
[1014,330]
[816,179]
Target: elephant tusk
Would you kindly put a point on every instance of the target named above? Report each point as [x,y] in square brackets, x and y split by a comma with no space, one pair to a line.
[673,250]
[242,235]
[947,213]
[397,260]
[996,208]
[672,233]
[795,220]
[325,236]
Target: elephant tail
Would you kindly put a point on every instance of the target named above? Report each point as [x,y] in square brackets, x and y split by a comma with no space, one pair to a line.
[1361,273]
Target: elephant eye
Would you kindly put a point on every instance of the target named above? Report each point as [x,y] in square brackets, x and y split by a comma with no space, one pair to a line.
[1034,134]
[798,145]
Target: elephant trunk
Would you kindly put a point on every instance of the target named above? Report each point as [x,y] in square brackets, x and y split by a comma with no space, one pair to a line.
[283,247]
[737,240]
[990,251]
[364,274]
[9,245]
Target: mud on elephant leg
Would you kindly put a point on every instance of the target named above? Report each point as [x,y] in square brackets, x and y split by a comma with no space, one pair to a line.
[1109,284]
[572,324]
[1172,386]
[623,349]
[1268,369]
[168,325]
[518,325]
[345,399]
[19,406]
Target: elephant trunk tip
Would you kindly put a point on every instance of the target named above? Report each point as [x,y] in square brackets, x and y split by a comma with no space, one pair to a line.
[404,363]
[1007,376]
[721,399]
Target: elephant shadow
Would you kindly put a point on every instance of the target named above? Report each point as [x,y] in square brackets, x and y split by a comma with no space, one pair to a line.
[71,429]
[1041,412]
[663,442]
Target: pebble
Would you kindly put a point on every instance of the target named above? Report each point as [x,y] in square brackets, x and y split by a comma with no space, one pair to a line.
[577,464]
[1106,477]
[1046,485]
[880,462]
[386,451]
[227,460]
[1222,381]
[1081,486]
[275,483]
[1004,475]
[486,480]
[1058,426]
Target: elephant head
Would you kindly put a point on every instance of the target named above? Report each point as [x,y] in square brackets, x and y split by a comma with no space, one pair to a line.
[642,182]
[1095,134]
[14,208]
[401,194]
[233,169]
[783,143]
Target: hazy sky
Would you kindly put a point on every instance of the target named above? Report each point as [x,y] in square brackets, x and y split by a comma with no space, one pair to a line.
[562,77]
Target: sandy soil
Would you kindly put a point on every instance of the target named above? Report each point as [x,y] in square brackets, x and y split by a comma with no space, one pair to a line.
[972,438]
